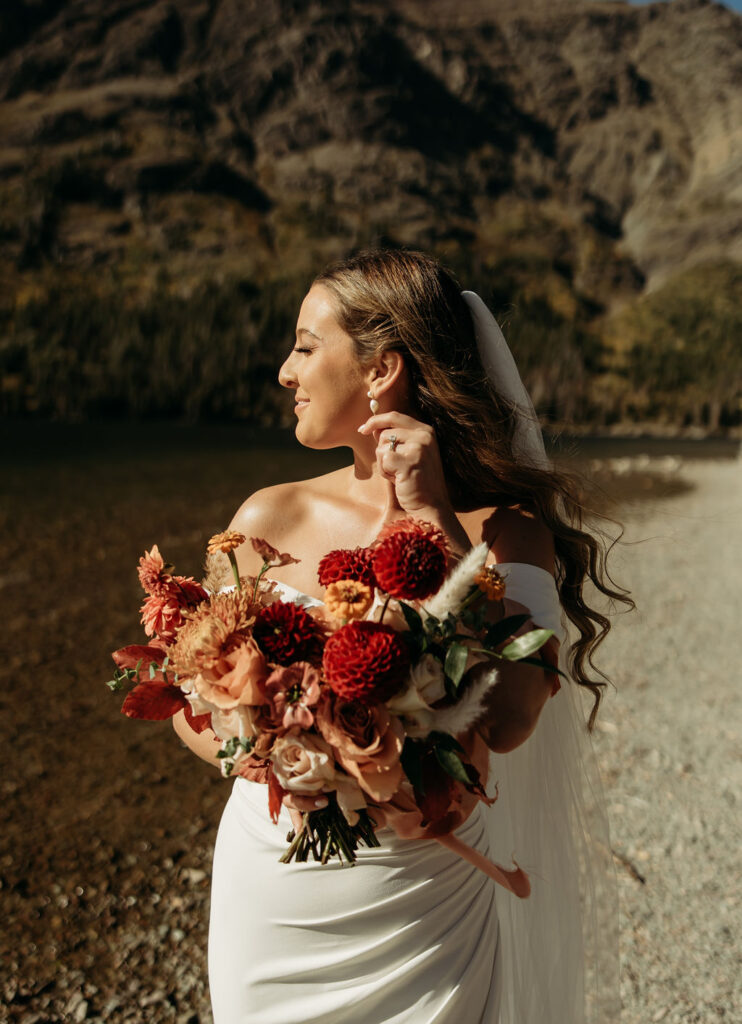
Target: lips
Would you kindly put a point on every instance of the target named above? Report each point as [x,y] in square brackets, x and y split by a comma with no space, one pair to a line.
[300,404]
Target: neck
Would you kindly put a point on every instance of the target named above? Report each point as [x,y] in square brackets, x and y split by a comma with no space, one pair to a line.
[367,485]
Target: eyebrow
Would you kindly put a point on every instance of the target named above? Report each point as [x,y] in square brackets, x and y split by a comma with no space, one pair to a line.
[305,330]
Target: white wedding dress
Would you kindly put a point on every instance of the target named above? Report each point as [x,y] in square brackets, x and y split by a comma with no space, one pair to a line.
[411,934]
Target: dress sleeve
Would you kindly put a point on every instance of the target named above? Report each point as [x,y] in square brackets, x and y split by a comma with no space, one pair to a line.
[536,589]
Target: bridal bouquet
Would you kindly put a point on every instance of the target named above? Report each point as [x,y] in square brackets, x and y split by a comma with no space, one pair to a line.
[361,700]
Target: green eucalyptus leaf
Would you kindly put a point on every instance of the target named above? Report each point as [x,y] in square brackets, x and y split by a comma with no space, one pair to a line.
[545,665]
[451,763]
[412,617]
[446,741]
[152,670]
[455,663]
[526,644]
[503,629]
[411,760]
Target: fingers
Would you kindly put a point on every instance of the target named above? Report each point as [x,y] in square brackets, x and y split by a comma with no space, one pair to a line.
[294,802]
[391,420]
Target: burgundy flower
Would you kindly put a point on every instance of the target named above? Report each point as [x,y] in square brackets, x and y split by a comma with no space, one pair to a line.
[409,561]
[365,661]
[285,632]
[345,564]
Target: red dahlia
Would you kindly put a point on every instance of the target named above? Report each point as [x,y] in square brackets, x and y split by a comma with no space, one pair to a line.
[365,661]
[285,633]
[344,564]
[409,560]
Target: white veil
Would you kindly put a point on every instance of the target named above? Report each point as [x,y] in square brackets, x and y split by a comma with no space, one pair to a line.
[560,946]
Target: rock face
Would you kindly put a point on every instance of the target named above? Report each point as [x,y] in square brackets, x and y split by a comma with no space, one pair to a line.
[207,129]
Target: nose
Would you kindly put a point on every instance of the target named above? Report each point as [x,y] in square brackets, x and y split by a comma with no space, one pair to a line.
[286,377]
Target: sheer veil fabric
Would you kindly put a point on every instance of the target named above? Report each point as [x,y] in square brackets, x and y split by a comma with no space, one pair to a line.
[560,946]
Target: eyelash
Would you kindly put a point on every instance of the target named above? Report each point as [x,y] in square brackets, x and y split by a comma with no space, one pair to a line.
[302,350]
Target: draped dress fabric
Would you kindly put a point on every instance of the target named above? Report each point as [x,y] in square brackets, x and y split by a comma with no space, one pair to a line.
[409,935]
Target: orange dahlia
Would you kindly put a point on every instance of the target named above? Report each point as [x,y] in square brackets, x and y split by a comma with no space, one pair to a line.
[154,575]
[365,661]
[410,559]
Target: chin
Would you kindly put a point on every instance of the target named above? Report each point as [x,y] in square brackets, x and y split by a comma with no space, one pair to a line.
[315,440]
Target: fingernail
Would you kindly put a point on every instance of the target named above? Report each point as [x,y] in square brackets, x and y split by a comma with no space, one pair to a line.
[361,428]
[320,803]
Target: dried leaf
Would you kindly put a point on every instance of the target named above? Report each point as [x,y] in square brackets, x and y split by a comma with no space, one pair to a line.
[270,554]
[154,701]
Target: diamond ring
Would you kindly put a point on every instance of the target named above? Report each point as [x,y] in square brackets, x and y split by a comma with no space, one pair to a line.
[393,442]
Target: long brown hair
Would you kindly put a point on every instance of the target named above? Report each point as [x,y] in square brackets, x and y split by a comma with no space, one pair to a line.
[407,302]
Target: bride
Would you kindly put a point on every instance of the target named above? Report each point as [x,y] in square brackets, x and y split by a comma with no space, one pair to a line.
[393,361]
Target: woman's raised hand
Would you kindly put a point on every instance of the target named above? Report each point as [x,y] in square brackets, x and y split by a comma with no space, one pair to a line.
[408,457]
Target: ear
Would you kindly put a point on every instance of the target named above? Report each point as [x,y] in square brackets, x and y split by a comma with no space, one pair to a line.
[387,370]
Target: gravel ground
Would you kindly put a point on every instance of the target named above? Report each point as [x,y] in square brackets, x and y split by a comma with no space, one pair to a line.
[669,746]
[107,825]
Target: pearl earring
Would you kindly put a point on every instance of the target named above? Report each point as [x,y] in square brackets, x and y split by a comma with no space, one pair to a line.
[373,403]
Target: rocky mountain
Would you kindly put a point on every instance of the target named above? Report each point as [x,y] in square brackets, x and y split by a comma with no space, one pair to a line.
[587,151]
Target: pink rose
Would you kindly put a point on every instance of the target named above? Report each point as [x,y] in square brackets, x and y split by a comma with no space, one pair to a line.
[367,741]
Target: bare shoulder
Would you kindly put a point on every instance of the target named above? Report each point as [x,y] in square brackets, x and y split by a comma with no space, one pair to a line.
[290,516]
[270,513]
[514,534]
[269,507]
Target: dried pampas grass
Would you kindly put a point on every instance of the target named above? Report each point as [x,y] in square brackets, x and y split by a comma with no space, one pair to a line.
[217,572]
[458,584]
[467,711]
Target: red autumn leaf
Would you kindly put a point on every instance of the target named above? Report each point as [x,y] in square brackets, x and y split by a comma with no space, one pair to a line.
[198,723]
[276,793]
[255,769]
[128,657]
[155,701]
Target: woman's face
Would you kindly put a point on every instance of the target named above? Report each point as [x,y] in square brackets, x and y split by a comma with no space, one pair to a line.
[328,381]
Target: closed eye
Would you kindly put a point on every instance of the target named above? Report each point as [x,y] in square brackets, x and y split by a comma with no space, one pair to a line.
[302,350]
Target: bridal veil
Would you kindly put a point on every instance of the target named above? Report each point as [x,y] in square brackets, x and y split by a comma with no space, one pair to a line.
[560,946]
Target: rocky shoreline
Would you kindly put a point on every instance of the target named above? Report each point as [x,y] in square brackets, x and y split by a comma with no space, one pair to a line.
[108,825]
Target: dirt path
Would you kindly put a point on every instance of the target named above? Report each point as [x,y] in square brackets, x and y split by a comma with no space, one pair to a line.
[669,744]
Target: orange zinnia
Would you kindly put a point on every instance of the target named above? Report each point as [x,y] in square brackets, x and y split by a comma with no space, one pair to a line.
[348,599]
[490,582]
[225,542]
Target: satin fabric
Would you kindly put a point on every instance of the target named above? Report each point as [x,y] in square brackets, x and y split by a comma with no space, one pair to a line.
[407,936]
[410,935]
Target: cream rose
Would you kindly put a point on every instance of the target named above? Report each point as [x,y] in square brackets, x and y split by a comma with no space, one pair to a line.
[239,721]
[304,764]
[424,687]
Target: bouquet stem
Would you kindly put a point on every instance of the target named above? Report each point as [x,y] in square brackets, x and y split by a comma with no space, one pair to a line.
[326,833]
